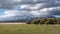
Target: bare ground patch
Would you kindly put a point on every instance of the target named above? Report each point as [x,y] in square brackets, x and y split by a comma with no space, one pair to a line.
[14,23]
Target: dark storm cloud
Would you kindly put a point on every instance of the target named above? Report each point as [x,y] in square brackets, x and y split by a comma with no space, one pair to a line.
[55,11]
[10,4]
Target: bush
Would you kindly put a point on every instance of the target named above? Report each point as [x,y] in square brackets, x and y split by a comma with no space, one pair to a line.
[46,21]
[55,22]
[52,21]
[42,22]
[35,22]
[28,22]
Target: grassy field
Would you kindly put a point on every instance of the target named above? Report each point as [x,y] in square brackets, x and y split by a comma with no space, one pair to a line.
[28,29]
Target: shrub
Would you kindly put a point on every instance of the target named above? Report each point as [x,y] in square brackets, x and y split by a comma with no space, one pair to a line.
[28,22]
[42,22]
[46,22]
[52,21]
[35,22]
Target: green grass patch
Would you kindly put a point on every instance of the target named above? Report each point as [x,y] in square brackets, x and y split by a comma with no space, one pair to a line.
[29,29]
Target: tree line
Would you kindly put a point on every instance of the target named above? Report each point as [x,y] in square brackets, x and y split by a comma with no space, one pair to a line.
[45,21]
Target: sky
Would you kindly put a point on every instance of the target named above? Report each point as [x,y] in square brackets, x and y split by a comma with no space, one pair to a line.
[11,9]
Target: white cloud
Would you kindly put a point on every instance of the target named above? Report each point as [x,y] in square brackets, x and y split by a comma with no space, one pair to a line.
[50,11]
[10,13]
[31,6]
[41,12]
[35,13]
[16,0]
[35,0]
[24,6]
